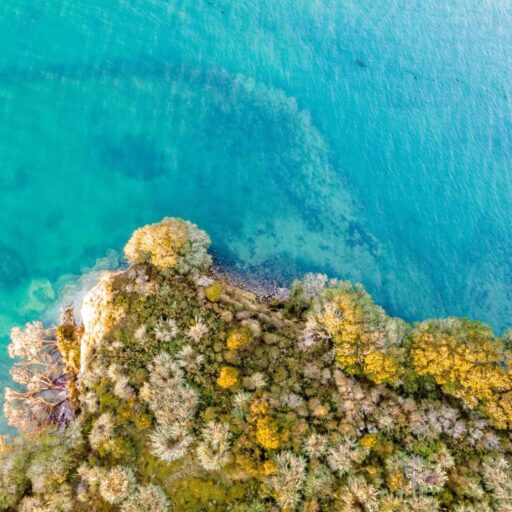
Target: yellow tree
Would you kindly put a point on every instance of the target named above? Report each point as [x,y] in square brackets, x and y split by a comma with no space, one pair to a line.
[468,362]
[172,244]
[366,339]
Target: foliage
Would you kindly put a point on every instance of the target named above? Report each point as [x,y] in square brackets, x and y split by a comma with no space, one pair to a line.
[367,341]
[266,433]
[238,338]
[228,377]
[46,369]
[172,244]
[469,363]
[214,292]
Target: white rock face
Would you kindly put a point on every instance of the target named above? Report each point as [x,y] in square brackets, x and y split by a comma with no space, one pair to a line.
[93,312]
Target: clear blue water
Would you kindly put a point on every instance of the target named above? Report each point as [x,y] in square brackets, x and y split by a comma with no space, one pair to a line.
[370,140]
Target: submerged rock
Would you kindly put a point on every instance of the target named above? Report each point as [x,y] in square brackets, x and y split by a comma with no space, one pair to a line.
[12,267]
[135,156]
[40,295]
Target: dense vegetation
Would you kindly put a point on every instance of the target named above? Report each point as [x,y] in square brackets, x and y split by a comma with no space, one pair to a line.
[180,391]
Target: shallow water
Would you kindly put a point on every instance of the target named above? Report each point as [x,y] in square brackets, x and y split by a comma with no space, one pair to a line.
[370,140]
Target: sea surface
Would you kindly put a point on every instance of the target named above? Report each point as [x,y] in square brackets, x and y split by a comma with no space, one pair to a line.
[371,140]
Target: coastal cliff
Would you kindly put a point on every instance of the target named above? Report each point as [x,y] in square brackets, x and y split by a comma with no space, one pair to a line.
[180,390]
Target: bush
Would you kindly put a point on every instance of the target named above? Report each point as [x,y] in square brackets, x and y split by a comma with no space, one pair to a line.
[170,245]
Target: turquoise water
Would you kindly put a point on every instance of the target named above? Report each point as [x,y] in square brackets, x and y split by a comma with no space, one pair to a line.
[370,140]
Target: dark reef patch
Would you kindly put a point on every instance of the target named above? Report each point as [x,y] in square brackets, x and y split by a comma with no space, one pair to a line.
[358,236]
[135,156]
[12,268]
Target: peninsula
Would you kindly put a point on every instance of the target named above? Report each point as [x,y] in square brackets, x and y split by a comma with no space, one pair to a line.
[180,390]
